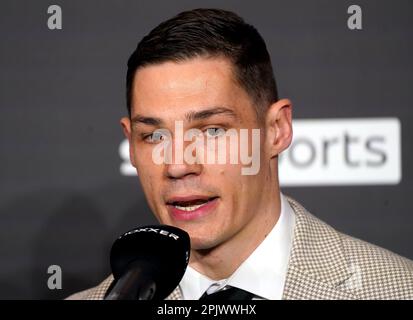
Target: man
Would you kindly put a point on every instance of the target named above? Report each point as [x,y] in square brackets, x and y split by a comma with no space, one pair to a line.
[208,71]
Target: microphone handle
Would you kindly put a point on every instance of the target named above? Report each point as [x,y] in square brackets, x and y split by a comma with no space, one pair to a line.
[136,284]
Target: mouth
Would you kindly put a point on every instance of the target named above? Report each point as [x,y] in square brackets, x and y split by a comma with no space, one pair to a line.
[191,207]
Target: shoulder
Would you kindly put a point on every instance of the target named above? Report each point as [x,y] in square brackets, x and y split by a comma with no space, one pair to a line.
[95,293]
[379,273]
[366,271]
[99,292]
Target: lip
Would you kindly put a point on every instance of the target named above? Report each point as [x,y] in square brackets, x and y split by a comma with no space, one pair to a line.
[202,211]
[187,198]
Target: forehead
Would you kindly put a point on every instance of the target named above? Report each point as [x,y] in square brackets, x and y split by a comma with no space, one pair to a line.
[172,88]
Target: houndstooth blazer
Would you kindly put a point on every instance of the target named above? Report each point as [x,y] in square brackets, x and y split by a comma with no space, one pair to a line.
[326,264]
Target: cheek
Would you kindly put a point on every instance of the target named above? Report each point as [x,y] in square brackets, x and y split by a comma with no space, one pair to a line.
[143,159]
[229,173]
[232,185]
[149,173]
[238,190]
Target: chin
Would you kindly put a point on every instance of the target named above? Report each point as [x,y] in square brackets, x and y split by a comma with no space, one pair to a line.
[204,242]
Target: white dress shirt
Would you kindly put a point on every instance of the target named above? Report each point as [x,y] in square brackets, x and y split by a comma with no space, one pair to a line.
[263,273]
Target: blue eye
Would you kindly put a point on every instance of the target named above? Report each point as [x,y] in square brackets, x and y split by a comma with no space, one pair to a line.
[155,137]
[214,132]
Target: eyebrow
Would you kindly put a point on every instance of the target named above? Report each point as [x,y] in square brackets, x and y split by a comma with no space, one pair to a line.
[190,116]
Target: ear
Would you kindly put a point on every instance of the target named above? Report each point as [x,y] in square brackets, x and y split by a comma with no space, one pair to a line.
[278,126]
[127,131]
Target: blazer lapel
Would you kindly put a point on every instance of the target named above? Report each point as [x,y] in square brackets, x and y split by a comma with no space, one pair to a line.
[317,267]
[175,295]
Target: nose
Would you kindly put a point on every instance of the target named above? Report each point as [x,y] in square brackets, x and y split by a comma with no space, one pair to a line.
[179,171]
[179,167]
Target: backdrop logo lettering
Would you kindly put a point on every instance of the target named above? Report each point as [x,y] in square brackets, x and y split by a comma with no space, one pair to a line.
[354,151]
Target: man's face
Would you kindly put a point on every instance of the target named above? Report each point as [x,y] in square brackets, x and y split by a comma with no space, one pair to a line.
[212,202]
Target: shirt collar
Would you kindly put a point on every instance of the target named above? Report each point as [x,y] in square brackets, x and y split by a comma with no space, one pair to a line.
[263,273]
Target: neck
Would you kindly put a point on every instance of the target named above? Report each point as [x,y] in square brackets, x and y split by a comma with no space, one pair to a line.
[223,260]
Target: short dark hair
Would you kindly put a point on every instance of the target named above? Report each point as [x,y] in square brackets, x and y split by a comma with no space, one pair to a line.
[210,33]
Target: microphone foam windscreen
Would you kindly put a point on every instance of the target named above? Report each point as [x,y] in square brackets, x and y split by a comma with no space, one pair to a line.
[164,248]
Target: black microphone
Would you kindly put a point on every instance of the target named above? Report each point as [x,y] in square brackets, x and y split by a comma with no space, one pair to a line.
[148,263]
